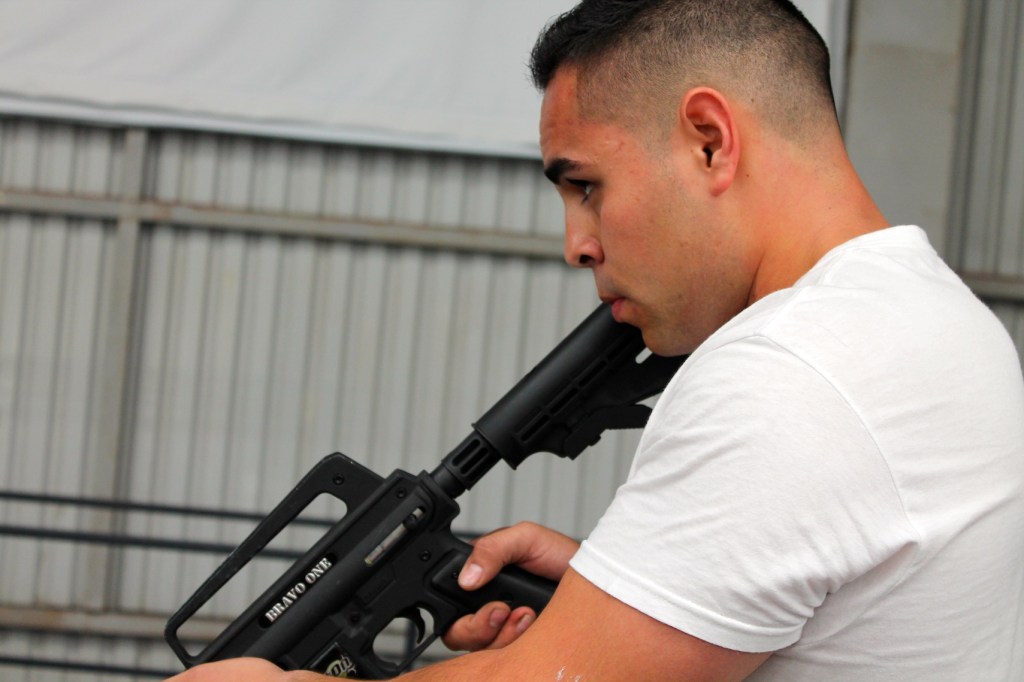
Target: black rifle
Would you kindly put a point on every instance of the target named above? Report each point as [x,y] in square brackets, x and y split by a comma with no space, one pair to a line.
[394,554]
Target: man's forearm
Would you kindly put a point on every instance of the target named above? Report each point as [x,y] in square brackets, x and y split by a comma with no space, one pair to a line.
[467,667]
[475,666]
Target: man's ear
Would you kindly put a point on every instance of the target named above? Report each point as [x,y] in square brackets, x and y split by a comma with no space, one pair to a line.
[711,135]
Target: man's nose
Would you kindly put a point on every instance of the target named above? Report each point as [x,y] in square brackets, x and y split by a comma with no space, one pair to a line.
[582,248]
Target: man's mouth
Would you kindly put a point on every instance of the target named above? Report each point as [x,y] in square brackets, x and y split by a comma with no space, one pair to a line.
[617,303]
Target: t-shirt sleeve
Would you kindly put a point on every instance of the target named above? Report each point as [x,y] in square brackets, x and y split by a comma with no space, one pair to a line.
[756,491]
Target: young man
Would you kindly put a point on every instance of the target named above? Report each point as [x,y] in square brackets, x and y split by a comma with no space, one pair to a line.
[832,486]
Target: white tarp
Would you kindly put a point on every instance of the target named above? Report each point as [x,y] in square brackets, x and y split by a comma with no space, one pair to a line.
[434,74]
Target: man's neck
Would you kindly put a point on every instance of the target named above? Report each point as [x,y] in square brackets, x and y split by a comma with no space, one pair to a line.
[810,207]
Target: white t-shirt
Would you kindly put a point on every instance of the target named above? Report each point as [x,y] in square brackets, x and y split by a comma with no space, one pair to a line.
[837,475]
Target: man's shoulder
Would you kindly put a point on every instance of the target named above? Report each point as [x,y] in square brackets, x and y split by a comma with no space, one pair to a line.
[878,298]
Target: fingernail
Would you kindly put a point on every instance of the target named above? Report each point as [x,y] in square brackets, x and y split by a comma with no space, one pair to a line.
[497,617]
[523,623]
[470,575]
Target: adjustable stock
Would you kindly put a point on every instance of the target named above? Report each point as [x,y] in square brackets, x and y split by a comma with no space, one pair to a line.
[592,381]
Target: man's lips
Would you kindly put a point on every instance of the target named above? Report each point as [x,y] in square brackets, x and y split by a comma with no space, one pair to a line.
[617,303]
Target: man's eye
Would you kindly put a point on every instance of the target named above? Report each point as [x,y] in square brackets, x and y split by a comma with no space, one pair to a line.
[584,185]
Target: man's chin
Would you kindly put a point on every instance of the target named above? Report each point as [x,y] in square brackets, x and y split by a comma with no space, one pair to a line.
[666,347]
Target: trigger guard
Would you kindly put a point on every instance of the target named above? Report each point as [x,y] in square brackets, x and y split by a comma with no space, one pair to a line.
[412,614]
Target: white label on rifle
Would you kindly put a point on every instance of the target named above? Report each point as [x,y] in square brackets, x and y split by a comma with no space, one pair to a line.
[292,595]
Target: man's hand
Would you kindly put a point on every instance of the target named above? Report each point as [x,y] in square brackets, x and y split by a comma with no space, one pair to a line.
[537,549]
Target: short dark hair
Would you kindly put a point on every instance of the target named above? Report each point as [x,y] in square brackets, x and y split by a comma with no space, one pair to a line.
[644,47]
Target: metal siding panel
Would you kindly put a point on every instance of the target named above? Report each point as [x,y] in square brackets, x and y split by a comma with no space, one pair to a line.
[70,453]
[550,214]
[252,381]
[433,365]
[95,150]
[283,462]
[33,429]
[17,239]
[287,366]
[362,353]
[58,157]
[270,176]
[502,336]
[144,420]
[990,165]
[329,337]
[18,153]
[267,461]
[447,187]
[207,474]
[377,170]
[988,150]
[517,194]
[17,644]
[463,393]
[140,653]
[305,181]
[353,183]
[166,398]
[341,181]
[234,173]
[89,583]
[1012,316]
[412,188]
[52,279]
[178,459]
[1011,248]
[401,305]
[166,159]
[56,151]
[199,176]
[483,186]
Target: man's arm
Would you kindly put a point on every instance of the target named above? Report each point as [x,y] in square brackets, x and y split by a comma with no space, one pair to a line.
[583,634]
[586,634]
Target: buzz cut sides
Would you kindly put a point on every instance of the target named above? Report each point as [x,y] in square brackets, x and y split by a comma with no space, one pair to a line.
[634,59]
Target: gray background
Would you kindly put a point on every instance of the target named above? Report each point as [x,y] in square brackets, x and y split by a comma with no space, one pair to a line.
[196,318]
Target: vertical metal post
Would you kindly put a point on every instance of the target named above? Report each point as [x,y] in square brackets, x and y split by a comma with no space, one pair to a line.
[967,108]
[95,578]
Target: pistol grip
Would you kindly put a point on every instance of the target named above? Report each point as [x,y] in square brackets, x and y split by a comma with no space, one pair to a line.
[513,585]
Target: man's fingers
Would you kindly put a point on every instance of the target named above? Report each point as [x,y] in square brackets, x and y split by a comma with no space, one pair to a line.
[516,624]
[477,630]
[473,574]
[539,550]
[492,627]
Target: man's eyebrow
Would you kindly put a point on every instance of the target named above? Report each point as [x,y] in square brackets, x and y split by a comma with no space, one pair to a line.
[559,167]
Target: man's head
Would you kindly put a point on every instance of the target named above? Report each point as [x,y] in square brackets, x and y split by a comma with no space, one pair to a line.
[635,58]
[696,148]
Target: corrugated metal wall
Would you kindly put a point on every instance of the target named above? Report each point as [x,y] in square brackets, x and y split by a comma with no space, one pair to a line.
[196,319]
[987,224]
